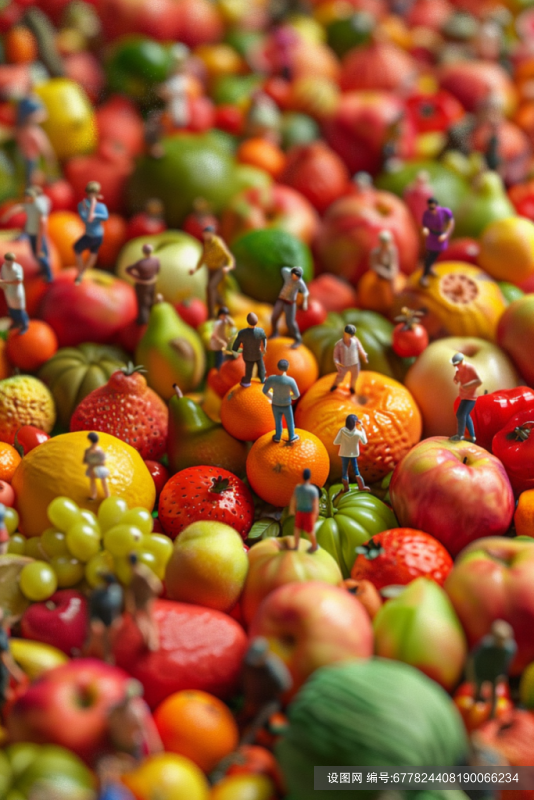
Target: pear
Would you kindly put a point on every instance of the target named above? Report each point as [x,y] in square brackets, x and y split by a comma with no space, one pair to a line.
[194,439]
[171,351]
[485,202]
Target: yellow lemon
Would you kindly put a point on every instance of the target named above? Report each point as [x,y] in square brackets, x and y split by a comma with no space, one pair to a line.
[169,777]
[71,123]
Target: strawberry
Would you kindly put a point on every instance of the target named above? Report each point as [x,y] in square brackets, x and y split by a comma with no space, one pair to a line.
[129,410]
[398,556]
[205,493]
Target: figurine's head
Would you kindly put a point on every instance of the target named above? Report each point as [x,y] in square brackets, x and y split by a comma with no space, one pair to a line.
[385,237]
[501,631]
[252,319]
[296,273]
[432,203]
[258,649]
[306,475]
[30,109]
[282,365]
[350,422]
[93,189]
[148,249]
[30,194]
[350,330]
[93,437]
[9,257]
[222,312]
[208,233]
[457,359]
[108,578]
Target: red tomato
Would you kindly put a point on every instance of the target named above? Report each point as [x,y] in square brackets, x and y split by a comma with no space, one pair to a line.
[314,315]
[514,446]
[230,119]
[409,341]
[28,437]
[192,311]
[433,112]
[475,714]
[160,474]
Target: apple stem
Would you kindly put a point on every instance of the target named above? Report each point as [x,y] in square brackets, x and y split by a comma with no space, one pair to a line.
[465,460]
[177,391]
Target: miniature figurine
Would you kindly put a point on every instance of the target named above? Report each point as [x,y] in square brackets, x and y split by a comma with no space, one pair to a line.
[254,345]
[174,90]
[31,140]
[219,261]
[469,380]
[304,505]
[95,458]
[347,354]
[390,149]
[4,535]
[265,679]
[36,206]
[110,770]
[348,438]
[12,283]
[417,194]
[287,302]
[8,667]
[384,259]
[131,728]
[145,274]
[283,390]
[491,659]
[284,39]
[141,592]
[93,214]
[263,118]
[200,218]
[438,225]
[105,613]
[221,334]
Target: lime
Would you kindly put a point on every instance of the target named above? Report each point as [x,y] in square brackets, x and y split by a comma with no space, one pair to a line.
[234,89]
[261,254]
[347,32]
[136,64]
[510,291]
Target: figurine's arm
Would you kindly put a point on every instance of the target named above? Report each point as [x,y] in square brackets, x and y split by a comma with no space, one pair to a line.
[292,505]
[199,263]
[447,233]
[101,213]
[363,434]
[237,343]
[336,356]
[339,437]
[316,508]
[295,391]
[267,388]
[41,232]
[362,352]
[12,667]
[305,294]
[17,209]
[231,265]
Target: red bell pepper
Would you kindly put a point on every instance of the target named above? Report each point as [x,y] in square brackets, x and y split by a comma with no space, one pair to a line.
[514,446]
[433,112]
[492,411]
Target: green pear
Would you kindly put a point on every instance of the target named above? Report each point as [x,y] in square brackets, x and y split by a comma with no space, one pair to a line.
[208,566]
[171,351]
[485,202]
[194,439]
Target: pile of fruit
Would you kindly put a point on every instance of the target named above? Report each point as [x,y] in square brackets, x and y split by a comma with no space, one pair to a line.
[311,129]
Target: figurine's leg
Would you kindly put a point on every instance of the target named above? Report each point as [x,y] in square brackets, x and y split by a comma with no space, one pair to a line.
[91,261]
[92,488]
[291,322]
[431,257]
[219,358]
[261,370]
[3,548]
[260,721]
[105,487]
[275,317]
[108,656]
[354,372]
[461,416]
[469,421]
[296,533]
[214,280]
[341,372]
[24,321]
[290,422]
[44,260]
[143,303]
[278,414]
[246,380]
[345,461]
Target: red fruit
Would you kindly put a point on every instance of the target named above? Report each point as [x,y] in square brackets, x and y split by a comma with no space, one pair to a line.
[317,172]
[61,621]
[463,249]
[130,335]
[334,293]
[27,438]
[409,342]
[61,195]
[160,475]
[398,556]
[126,408]
[145,224]
[205,493]
[315,314]
[512,736]
[192,311]
[475,714]
[230,119]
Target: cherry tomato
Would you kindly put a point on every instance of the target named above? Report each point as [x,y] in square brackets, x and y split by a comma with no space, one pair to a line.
[192,311]
[230,119]
[28,438]
[160,474]
[409,341]
[314,315]
[474,714]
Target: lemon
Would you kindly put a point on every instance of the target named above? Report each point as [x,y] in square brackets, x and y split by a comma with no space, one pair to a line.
[34,658]
[169,777]
[56,469]
[24,400]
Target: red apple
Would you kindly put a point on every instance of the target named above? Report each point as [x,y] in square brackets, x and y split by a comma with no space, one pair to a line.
[156,20]
[93,311]
[311,625]
[7,494]
[493,579]
[350,231]
[85,69]
[118,120]
[61,621]
[61,195]
[192,311]
[315,314]
[456,491]
[472,81]
[33,283]
[199,649]
[464,249]
[111,166]
[334,293]
[68,706]
[515,331]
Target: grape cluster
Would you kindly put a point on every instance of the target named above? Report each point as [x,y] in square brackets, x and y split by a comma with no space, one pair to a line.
[80,546]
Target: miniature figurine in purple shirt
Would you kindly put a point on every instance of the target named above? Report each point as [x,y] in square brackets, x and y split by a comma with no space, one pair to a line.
[438,225]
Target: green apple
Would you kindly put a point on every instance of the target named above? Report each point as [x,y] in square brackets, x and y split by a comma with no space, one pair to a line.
[62,772]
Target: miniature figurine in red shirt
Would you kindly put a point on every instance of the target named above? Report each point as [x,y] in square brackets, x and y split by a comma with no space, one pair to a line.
[468,380]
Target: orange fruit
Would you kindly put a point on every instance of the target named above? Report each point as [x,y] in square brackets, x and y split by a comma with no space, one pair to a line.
[507,249]
[274,469]
[262,153]
[524,514]
[5,366]
[9,461]
[246,414]
[197,725]
[24,400]
[386,409]
[20,45]
[302,363]
[30,350]
[115,233]
[376,294]
[167,776]
[64,228]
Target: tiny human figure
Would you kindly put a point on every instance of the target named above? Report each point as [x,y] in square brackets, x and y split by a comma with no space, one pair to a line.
[131,727]
[95,458]
[347,354]
[8,666]
[348,438]
[32,141]
[287,302]
[93,214]
[174,90]
[284,39]
[145,274]
[220,337]
[390,150]
[12,283]
[438,225]
[283,390]
[491,659]
[140,594]
[263,118]
[304,505]
[200,218]
[468,381]
[253,342]
[219,261]
[4,535]
[384,259]
[110,770]
[36,206]
[105,613]
[265,679]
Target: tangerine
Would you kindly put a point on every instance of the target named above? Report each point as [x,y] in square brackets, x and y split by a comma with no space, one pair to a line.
[30,350]
[246,413]
[524,514]
[197,725]
[64,228]
[263,154]
[389,414]
[20,45]
[9,461]
[303,365]
[274,469]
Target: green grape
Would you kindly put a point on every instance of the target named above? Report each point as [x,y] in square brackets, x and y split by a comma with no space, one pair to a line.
[11,520]
[54,543]
[97,566]
[38,581]
[122,539]
[123,570]
[17,545]
[33,548]
[140,518]
[160,545]
[111,512]
[152,561]
[69,571]
[83,541]
[89,518]
[63,513]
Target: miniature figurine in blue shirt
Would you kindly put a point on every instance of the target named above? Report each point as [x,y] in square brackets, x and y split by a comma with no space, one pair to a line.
[283,390]
[93,214]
